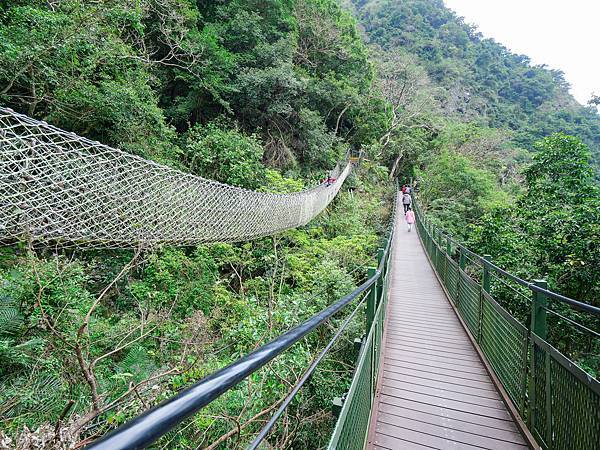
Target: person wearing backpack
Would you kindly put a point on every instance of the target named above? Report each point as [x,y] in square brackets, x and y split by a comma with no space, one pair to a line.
[406,202]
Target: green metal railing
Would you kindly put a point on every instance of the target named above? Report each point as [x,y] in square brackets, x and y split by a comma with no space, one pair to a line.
[559,402]
[353,424]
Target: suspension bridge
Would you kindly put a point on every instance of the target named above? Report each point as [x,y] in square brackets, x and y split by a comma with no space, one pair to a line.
[442,364]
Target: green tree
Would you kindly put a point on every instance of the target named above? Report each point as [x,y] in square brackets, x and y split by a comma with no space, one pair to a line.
[561,212]
[224,155]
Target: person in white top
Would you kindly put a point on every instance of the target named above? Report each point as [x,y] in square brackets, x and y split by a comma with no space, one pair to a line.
[406,201]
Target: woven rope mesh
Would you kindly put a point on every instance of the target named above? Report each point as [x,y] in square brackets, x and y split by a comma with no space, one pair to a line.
[57,187]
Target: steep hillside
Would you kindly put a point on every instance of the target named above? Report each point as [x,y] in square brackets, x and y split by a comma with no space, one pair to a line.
[481,79]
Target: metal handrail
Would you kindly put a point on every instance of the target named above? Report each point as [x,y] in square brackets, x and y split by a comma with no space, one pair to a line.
[267,427]
[156,422]
[151,425]
[555,399]
[586,307]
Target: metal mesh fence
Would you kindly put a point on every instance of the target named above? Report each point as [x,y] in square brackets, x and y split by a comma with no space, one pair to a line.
[452,278]
[57,187]
[557,399]
[354,418]
[565,401]
[504,343]
[538,400]
[353,424]
[468,302]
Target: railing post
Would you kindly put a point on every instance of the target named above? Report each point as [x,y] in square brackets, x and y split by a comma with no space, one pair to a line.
[538,311]
[371,300]
[435,250]
[486,273]
[380,253]
[461,258]
[539,327]
[448,245]
[461,266]
[485,287]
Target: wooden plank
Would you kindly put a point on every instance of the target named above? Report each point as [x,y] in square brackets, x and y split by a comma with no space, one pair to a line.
[445,402]
[460,376]
[449,422]
[418,330]
[433,350]
[483,383]
[406,335]
[460,362]
[440,328]
[414,312]
[450,386]
[466,416]
[388,442]
[414,446]
[400,434]
[430,358]
[433,365]
[432,317]
[394,387]
[405,332]
[432,326]
[445,432]
[431,343]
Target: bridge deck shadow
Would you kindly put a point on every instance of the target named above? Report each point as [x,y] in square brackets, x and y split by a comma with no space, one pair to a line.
[433,390]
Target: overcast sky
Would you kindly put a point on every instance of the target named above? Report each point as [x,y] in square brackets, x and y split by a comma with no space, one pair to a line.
[564,34]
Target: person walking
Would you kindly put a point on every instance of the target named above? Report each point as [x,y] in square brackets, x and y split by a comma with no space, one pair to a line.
[403,189]
[410,219]
[406,202]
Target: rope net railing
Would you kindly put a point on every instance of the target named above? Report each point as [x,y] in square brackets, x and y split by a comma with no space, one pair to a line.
[59,188]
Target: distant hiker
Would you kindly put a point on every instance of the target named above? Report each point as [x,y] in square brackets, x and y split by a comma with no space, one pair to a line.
[406,201]
[330,181]
[408,190]
[403,188]
[410,218]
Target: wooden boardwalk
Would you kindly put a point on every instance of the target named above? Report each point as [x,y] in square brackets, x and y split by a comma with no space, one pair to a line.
[433,390]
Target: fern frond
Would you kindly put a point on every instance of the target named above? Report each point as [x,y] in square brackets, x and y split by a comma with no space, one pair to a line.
[10,316]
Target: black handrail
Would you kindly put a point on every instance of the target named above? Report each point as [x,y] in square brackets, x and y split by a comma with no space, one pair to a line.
[146,428]
[151,425]
[269,425]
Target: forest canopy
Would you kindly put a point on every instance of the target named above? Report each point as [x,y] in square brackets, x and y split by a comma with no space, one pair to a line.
[269,95]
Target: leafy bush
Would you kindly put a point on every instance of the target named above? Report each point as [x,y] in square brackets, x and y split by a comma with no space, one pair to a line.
[224,155]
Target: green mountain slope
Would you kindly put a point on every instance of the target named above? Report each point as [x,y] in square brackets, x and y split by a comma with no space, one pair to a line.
[482,80]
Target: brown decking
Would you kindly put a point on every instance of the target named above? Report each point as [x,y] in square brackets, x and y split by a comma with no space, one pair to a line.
[433,390]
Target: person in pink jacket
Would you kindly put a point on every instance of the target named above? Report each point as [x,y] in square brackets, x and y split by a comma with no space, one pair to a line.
[410,218]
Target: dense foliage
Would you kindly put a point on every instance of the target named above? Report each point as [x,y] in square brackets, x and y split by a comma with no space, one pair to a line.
[137,74]
[268,95]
